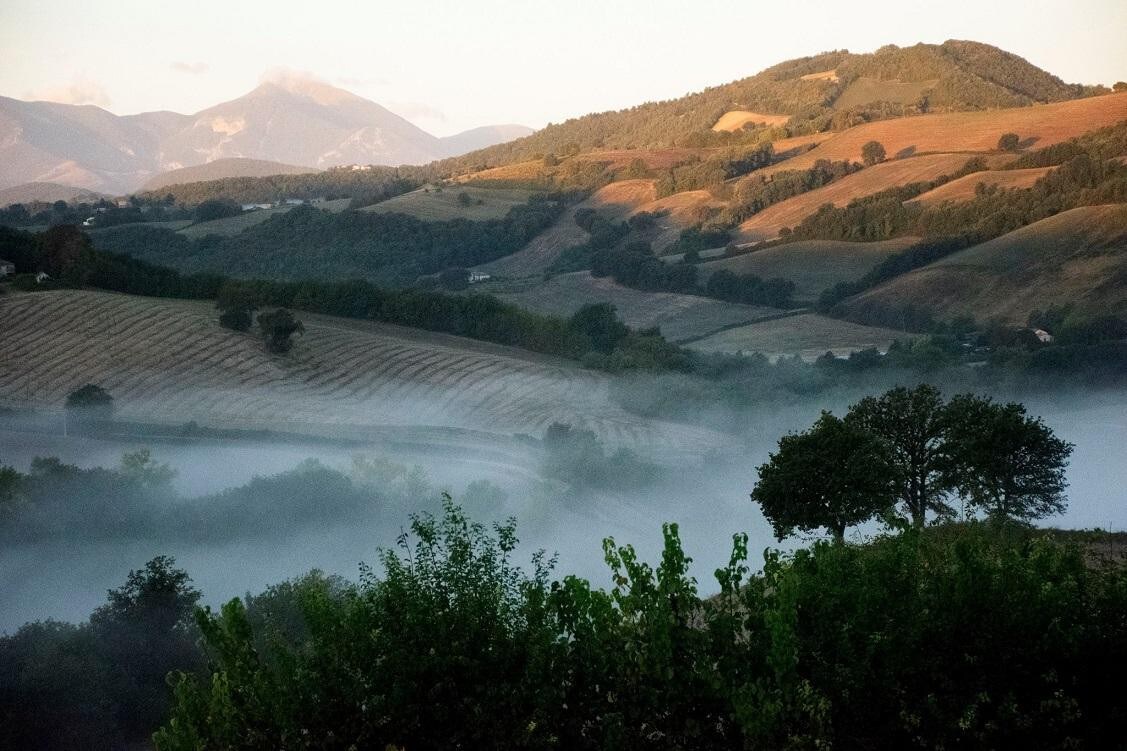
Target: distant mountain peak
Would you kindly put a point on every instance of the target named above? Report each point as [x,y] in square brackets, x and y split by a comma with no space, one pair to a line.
[305,85]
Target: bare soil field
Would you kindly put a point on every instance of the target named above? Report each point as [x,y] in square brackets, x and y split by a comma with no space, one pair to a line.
[170,361]
[679,317]
[963,188]
[813,265]
[1077,257]
[807,335]
[865,90]
[737,119]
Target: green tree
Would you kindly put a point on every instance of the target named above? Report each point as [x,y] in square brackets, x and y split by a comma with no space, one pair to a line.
[912,424]
[1004,462]
[465,199]
[872,153]
[217,208]
[599,322]
[90,403]
[278,328]
[1119,86]
[1009,142]
[834,475]
[236,307]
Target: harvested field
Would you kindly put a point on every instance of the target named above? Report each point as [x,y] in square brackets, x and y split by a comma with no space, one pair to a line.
[813,265]
[766,224]
[1077,257]
[808,336]
[737,119]
[169,361]
[826,75]
[435,206]
[963,188]
[678,316]
[1037,126]
[616,200]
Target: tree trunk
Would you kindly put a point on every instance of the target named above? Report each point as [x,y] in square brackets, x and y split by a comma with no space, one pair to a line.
[839,534]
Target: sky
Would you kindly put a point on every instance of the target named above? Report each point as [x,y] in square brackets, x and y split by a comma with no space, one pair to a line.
[449,66]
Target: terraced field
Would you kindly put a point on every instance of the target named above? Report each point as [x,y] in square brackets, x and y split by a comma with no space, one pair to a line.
[766,224]
[169,361]
[679,317]
[963,188]
[614,201]
[1077,257]
[808,336]
[435,206]
[813,265]
[1039,125]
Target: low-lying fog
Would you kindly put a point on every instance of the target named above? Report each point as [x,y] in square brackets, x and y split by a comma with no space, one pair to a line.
[67,578]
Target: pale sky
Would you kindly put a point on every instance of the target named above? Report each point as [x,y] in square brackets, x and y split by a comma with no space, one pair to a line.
[448,66]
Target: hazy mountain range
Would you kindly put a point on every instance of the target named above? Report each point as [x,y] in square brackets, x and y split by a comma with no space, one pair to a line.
[294,120]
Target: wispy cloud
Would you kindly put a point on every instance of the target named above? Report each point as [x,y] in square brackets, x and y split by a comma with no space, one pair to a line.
[194,69]
[80,90]
[417,111]
[360,81]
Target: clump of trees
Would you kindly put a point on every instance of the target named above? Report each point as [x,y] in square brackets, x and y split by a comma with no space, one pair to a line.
[872,153]
[1009,142]
[908,446]
[278,328]
[89,404]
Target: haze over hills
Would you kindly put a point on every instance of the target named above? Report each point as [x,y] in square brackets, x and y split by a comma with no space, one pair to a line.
[290,119]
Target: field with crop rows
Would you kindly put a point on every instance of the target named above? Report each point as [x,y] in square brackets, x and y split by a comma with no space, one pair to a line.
[170,362]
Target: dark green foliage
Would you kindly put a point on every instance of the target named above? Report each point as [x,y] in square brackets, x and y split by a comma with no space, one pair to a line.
[578,458]
[598,322]
[959,636]
[1005,463]
[834,475]
[90,403]
[367,186]
[278,328]
[216,208]
[872,153]
[236,307]
[755,192]
[913,425]
[101,684]
[309,243]
[1009,142]
[750,289]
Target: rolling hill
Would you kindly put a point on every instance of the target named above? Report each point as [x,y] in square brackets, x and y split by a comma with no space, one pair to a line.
[169,361]
[47,193]
[963,188]
[950,77]
[1077,257]
[223,168]
[807,336]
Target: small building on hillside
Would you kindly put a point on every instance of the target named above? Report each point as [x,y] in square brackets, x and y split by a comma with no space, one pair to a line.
[1043,336]
[7,268]
[478,276]
[257,206]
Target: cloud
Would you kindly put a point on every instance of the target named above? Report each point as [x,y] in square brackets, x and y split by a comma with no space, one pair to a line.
[194,69]
[417,111]
[360,81]
[80,90]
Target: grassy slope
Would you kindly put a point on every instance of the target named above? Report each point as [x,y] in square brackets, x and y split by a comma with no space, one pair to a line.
[807,335]
[812,265]
[233,225]
[678,316]
[430,205]
[169,361]
[223,168]
[1077,256]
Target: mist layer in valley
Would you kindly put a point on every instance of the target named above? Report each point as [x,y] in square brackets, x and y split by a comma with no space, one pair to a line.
[240,515]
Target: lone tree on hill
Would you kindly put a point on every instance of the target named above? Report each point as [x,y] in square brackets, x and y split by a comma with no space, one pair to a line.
[872,153]
[1009,142]
[278,328]
[912,423]
[1119,86]
[236,307]
[834,475]
[90,403]
[1004,462]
